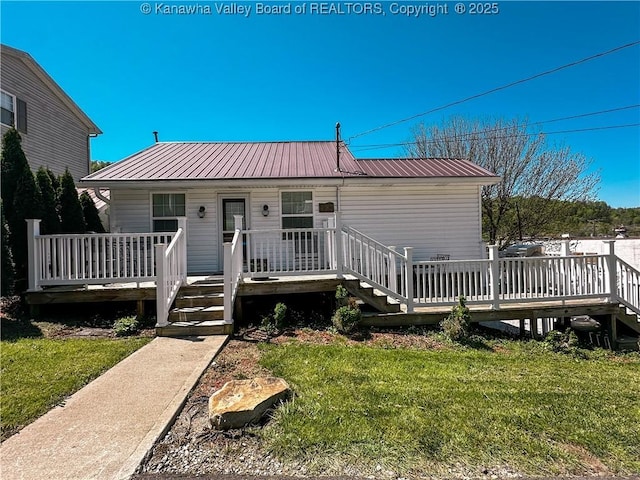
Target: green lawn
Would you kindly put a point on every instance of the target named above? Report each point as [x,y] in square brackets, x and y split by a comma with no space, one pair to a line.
[424,411]
[37,374]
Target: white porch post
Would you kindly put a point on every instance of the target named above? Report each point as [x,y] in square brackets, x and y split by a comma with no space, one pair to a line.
[228,282]
[408,255]
[611,265]
[393,272]
[564,248]
[494,275]
[33,230]
[237,222]
[161,281]
[338,249]
[182,223]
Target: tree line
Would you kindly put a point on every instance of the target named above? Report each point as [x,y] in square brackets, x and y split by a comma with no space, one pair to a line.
[41,195]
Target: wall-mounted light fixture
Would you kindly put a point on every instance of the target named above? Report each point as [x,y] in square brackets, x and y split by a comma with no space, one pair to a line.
[265,210]
[201,211]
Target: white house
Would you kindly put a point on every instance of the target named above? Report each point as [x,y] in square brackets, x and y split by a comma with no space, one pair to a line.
[432,205]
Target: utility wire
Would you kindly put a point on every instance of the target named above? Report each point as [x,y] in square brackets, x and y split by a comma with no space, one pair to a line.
[607,127]
[497,89]
[489,130]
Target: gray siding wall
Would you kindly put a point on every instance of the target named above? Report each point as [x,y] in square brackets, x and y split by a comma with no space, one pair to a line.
[432,219]
[55,137]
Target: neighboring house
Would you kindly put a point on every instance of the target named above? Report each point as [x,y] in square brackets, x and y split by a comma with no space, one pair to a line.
[55,132]
[432,205]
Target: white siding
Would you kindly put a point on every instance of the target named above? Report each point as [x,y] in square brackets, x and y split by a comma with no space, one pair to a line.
[432,219]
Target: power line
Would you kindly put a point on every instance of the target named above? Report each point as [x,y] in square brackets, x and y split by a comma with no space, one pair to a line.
[493,90]
[606,127]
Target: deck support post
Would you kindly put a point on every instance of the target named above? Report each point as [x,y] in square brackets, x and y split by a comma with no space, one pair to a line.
[408,255]
[140,308]
[338,240]
[162,312]
[610,252]
[494,274]
[614,332]
[523,330]
[33,230]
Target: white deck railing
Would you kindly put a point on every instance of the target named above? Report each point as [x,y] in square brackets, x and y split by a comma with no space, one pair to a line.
[94,258]
[304,251]
[172,272]
[628,285]
[443,282]
[233,266]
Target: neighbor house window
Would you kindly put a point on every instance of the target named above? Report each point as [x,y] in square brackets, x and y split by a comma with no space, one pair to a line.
[166,208]
[13,112]
[297,210]
[8,104]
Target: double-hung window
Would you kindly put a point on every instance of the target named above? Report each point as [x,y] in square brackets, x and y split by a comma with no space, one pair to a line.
[297,210]
[13,112]
[166,208]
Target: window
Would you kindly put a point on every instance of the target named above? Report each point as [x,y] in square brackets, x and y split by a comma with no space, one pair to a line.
[13,112]
[166,208]
[297,210]
[8,104]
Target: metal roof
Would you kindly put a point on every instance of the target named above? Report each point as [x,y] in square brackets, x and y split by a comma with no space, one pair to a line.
[170,161]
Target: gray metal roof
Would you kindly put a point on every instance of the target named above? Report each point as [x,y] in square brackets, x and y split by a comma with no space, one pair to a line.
[169,161]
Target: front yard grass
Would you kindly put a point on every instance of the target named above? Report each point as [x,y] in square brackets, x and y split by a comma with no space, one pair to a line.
[38,373]
[417,411]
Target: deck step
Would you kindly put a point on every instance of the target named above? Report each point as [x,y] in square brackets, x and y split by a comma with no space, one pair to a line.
[201,289]
[372,297]
[205,300]
[195,328]
[200,314]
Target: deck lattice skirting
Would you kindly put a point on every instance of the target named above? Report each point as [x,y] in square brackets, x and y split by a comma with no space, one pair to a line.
[335,249]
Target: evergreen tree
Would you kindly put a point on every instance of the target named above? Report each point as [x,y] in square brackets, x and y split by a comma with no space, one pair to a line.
[7,274]
[13,162]
[71,217]
[27,203]
[55,182]
[50,224]
[91,215]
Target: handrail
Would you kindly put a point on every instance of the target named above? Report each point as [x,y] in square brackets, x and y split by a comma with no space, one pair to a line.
[171,263]
[628,285]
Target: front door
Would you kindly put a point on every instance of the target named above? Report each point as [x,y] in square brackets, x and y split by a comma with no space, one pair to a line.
[230,208]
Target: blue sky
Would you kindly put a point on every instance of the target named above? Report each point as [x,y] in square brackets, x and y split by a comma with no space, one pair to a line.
[292,76]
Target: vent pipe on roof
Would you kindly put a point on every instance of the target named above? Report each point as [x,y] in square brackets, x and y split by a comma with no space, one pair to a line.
[338,147]
[155,136]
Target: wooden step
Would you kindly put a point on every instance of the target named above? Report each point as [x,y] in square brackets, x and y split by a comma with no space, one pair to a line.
[631,320]
[198,314]
[371,296]
[209,300]
[201,289]
[195,328]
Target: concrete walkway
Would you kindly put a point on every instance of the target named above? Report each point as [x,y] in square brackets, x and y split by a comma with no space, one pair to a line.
[105,430]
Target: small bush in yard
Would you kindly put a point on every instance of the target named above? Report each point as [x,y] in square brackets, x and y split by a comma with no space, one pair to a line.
[126,326]
[347,317]
[457,325]
[275,322]
[563,342]
[342,296]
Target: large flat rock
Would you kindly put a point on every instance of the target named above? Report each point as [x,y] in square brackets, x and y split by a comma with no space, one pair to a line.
[242,402]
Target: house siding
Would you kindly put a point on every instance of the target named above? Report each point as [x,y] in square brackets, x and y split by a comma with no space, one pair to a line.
[432,219]
[55,138]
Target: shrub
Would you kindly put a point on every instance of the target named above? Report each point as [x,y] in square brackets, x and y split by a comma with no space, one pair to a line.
[91,214]
[71,216]
[7,273]
[347,317]
[457,325]
[126,326]
[342,296]
[275,322]
[50,224]
[563,342]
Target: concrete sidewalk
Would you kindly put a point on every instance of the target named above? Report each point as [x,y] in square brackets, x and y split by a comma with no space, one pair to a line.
[105,430]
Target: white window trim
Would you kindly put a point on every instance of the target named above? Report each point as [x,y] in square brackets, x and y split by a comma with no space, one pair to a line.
[15,108]
[152,218]
[290,215]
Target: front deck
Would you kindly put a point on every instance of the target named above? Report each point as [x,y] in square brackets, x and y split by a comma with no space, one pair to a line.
[403,290]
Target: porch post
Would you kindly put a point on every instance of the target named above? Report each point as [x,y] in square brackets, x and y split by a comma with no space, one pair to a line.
[182,223]
[494,275]
[237,222]
[393,272]
[33,230]
[564,249]
[338,240]
[408,255]
[611,265]
[228,282]
[161,281]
